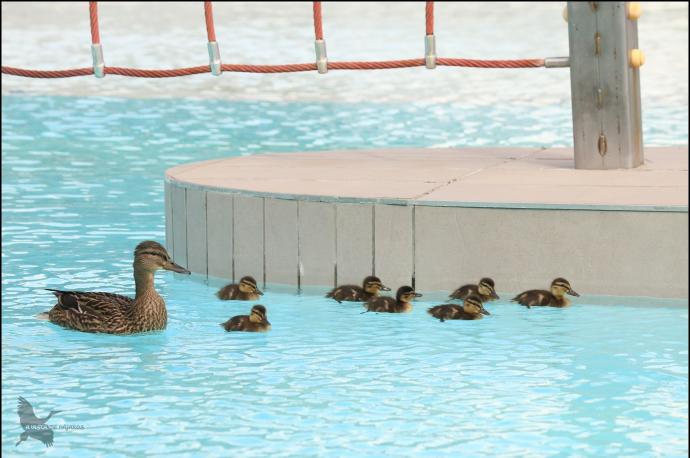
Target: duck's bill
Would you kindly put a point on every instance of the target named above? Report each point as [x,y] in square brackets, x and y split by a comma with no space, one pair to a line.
[259,292]
[494,295]
[417,295]
[485,312]
[176,268]
[385,288]
[573,293]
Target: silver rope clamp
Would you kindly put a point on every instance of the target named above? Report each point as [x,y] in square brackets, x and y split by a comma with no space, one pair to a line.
[321,57]
[98,63]
[430,51]
[214,58]
[555,62]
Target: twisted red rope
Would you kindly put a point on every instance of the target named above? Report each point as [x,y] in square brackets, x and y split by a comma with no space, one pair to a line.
[93,13]
[429,18]
[210,27]
[288,68]
[318,24]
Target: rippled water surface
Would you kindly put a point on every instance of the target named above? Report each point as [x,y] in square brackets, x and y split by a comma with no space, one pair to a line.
[82,184]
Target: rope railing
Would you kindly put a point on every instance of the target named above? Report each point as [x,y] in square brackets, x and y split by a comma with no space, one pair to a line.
[321,64]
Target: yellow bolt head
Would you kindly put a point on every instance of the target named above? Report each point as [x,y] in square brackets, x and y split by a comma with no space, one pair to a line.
[634,10]
[636,58]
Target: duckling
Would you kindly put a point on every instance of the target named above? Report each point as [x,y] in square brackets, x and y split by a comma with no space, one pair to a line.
[485,289]
[370,288]
[471,309]
[401,303]
[256,321]
[246,290]
[115,314]
[553,298]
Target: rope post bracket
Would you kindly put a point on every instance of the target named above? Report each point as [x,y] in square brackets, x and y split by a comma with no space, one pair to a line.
[98,62]
[430,51]
[321,57]
[214,58]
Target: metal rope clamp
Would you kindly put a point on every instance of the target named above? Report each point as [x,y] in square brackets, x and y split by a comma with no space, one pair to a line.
[321,57]
[214,58]
[98,63]
[430,51]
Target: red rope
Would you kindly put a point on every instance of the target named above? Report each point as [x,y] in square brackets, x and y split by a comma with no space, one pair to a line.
[210,28]
[318,24]
[289,68]
[93,13]
[429,18]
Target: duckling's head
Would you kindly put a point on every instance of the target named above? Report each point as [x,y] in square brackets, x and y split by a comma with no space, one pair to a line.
[486,287]
[373,285]
[258,314]
[473,304]
[406,294]
[248,286]
[151,256]
[561,286]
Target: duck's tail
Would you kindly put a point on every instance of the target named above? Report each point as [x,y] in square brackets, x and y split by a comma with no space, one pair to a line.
[44,316]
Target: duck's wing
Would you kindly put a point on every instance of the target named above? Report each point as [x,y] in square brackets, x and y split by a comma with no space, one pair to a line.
[347,293]
[235,323]
[91,303]
[228,292]
[533,298]
[464,291]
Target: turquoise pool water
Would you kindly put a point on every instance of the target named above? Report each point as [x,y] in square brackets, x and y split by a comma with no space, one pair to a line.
[82,185]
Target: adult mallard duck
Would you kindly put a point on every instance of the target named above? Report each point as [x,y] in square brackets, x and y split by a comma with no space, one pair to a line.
[401,304]
[256,321]
[471,309]
[245,290]
[115,314]
[542,298]
[485,289]
[370,288]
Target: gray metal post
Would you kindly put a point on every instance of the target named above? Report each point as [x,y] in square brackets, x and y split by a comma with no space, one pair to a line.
[605,85]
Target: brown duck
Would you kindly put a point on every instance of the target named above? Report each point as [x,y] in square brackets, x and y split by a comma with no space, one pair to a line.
[401,304]
[256,321]
[471,309]
[542,298]
[485,289]
[245,290]
[115,314]
[370,288]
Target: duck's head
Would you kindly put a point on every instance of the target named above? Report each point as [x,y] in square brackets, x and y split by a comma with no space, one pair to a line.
[561,286]
[248,286]
[258,314]
[473,304]
[406,294]
[373,285]
[151,256]
[486,287]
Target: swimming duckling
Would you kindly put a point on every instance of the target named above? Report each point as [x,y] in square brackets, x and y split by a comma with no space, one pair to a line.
[553,298]
[401,303]
[246,290]
[471,309]
[115,314]
[485,289]
[370,288]
[256,321]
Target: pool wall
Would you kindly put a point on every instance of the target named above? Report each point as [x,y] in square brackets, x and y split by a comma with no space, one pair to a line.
[318,240]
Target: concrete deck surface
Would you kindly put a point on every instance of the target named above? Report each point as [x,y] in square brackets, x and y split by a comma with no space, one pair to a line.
[479,177]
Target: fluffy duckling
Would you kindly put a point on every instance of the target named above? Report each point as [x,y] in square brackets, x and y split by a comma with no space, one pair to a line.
[370,288]
[401,303]
[256,321]
[471,309]
[485,289]
[115,314]
[245,290]
[554,298]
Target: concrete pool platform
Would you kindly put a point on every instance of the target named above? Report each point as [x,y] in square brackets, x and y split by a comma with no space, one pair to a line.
[435,218]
